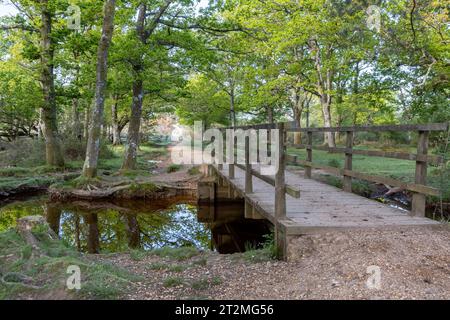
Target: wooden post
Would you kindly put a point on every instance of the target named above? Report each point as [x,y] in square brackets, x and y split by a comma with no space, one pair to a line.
[418,199]
[220,152]
[280,184]
[309,154]
[348,162]
[248,167]
[230,148]
[280,194]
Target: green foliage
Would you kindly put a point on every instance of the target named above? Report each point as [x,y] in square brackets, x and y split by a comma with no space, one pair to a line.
[173,168]
[268,251]
[194,171]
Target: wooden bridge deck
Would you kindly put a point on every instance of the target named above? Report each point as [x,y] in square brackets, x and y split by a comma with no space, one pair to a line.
[321,207]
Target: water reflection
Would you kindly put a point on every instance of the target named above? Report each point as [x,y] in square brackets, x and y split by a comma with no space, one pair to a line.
[116,226]
[231,232]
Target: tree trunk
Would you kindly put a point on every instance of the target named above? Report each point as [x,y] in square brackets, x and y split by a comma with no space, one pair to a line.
[115,124]
[133,231]
[129,162]
[77,131]
[53,149]
[297,102]
[329,136]
[269,110]
[53,217]
[93,145]
[232,109]
[93,241]
[130,159]
[87,120]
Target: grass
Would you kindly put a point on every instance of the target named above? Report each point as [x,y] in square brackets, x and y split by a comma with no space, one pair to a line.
[201,262]
[46,274]
[177,268]
[157,266]
[205,283]
[179,254]
[170,282]
[268,251]
[11,183]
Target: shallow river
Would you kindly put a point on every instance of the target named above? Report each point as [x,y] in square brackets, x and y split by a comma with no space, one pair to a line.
[96,227]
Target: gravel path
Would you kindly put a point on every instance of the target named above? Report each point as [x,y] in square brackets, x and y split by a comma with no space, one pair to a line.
[414,264]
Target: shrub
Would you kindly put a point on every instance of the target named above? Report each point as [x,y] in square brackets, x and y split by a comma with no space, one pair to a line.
[173,168]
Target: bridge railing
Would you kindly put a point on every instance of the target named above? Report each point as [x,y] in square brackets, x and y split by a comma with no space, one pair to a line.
[419,188]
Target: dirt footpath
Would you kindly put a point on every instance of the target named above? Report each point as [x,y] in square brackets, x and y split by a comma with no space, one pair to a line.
[413,264]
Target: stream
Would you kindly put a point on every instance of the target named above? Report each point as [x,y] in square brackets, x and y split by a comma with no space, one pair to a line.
[116,226]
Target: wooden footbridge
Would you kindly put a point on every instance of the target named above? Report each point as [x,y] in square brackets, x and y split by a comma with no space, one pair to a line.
[296,204]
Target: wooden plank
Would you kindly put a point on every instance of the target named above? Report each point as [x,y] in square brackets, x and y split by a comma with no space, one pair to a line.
[290,190]
[248,167]
[308,169]
[347,183]
[419,188]
[431,159]
[231,156]
[404,127]
[419,200]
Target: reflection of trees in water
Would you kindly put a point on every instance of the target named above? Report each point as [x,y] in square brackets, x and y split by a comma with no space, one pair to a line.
[113,227]
[53,216]
[13,211]
[93,234]
[176,227]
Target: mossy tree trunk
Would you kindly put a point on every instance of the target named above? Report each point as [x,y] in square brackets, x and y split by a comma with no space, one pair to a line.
[53,148]
[93,145]
[144,29]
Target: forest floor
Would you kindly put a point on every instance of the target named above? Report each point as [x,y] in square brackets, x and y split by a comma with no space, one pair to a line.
[414,264]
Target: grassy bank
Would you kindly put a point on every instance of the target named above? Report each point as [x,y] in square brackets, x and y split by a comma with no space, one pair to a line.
[26,275]
[16,179]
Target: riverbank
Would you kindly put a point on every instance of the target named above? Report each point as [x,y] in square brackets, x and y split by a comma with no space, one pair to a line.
[414,264]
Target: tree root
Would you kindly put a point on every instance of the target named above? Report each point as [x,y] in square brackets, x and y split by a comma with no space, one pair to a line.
[22,278]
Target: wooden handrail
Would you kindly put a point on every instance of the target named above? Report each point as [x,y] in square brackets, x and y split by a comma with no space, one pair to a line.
[431,159]
[401,127]
[422,159]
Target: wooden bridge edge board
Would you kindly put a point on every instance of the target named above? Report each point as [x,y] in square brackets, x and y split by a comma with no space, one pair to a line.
[297,230]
